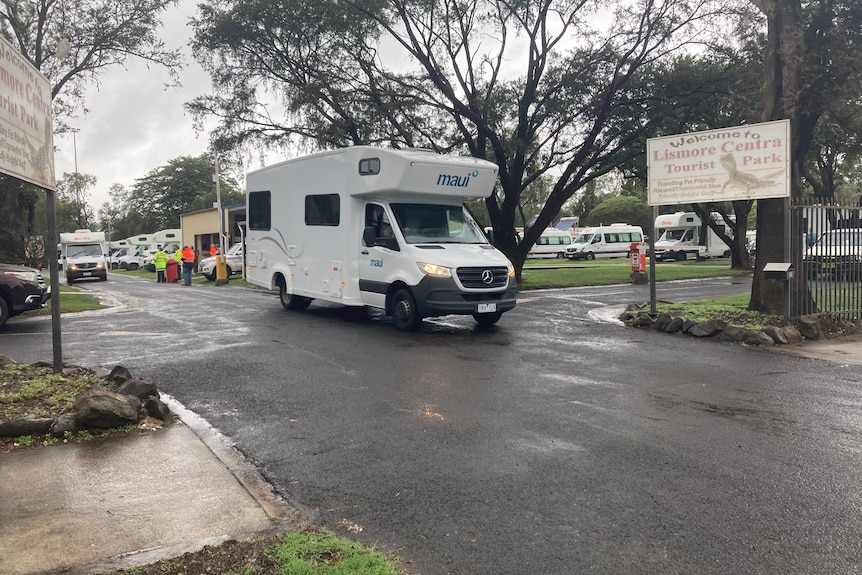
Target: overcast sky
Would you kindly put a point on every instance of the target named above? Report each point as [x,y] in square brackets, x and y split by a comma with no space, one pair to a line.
[134,124]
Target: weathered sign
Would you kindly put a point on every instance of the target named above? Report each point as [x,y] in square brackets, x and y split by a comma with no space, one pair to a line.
[26,120]
[741,163]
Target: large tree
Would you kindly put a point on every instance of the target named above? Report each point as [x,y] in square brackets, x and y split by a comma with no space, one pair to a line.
[540,87]
[98,34]
[184,184]
[812,60]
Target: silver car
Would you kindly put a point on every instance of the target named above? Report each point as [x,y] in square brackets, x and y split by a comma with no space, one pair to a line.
[233,262]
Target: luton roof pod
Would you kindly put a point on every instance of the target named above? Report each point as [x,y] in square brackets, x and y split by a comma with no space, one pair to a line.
[414,171]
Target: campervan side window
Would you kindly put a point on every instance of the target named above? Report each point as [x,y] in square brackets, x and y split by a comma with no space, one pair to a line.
[259,210]
[322,210]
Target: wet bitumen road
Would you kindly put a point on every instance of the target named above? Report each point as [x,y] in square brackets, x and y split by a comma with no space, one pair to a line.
[553,443]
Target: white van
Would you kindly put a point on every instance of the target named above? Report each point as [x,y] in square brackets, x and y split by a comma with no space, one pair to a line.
[84,255]
[387,229]
[551,244]
[613,241]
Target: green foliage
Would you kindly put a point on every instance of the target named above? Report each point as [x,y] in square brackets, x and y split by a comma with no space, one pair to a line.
[313,552]
[18,208]
[620,209]
[185,184]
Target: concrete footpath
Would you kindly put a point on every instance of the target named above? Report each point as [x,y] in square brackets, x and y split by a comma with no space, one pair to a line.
[130,500]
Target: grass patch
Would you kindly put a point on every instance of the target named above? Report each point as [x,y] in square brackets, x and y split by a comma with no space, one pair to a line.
[732,309]
[577,274]
[38,391]
[305,551]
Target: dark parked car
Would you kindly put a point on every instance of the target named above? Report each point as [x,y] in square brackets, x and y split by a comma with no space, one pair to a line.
[21,289]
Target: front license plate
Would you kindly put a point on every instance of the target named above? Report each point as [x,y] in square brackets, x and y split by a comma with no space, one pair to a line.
[87,274]
[487,308]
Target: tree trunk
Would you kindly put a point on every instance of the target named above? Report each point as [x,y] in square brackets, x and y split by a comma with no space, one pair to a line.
[781,96]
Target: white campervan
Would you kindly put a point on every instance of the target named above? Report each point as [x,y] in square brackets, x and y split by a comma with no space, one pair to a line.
[613,241]
[84,254]
[681,238]
[551,244]
[366,226]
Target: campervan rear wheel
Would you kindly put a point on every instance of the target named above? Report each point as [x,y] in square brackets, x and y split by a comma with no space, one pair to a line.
[487,319]
[292,302]
[405,315]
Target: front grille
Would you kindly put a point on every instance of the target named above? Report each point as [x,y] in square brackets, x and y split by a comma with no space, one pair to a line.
[472,277]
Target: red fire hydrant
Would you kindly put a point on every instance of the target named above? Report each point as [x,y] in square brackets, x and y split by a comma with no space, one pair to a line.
[638,253]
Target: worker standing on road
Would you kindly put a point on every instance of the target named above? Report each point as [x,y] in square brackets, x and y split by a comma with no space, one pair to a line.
[160,260]
[178,257]
[188,265]
[213,250]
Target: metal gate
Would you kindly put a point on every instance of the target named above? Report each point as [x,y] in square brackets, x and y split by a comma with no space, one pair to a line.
[831,256]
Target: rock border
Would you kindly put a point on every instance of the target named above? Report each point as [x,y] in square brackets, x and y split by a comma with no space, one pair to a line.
[809,327]
[135,402]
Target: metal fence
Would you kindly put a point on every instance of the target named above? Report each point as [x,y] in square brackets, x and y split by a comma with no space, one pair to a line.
[831,256]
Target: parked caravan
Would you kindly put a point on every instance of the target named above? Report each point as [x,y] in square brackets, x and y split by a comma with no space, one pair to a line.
[551,244]
[84,255]
[612,241]
[681,238]
[387,229]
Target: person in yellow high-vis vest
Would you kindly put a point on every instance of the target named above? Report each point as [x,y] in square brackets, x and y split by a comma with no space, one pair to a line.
[160,260]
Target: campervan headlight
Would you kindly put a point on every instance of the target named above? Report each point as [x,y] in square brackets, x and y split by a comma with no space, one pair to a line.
[434,270]
[511,272]
[100,266]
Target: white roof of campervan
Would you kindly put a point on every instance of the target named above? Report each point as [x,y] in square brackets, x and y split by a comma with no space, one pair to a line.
[373,170]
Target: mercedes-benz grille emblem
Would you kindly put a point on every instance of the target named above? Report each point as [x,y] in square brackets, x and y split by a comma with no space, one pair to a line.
[487,276]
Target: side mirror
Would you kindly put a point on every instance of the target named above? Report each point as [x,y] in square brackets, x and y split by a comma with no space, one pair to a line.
[368,236]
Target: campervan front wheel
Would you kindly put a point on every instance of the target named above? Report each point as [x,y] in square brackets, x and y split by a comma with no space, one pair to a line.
[590,256]
[405,315]
[292,302]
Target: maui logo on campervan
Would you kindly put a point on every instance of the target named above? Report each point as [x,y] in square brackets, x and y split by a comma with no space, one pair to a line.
[455,181]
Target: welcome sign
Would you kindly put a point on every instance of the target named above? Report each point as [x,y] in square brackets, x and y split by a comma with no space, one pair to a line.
[26,120]
[741,163]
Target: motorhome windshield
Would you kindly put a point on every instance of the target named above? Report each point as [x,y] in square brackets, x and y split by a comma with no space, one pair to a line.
[676,235]
[436,224]
[84,251]
[584,239]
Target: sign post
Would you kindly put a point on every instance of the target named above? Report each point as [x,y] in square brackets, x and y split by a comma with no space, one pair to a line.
[27,151]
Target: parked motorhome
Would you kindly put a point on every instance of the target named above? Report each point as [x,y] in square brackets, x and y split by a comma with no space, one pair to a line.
[612,241]
[551,244]
[387,229]
[145,245]
[84,254]
[681,238]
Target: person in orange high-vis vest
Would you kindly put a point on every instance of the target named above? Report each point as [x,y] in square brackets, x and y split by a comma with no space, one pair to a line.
[188,264]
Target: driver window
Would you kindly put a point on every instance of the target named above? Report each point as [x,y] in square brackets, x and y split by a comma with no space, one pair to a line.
[376,218]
